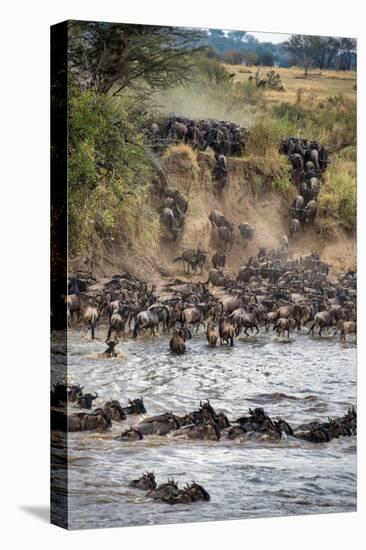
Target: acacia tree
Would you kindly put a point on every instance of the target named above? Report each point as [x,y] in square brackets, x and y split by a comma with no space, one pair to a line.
[109,57]
[302,47]
[233,57]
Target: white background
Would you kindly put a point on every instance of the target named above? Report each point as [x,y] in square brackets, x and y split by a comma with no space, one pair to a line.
[24,310]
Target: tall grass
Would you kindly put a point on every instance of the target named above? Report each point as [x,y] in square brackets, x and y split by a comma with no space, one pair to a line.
[338,197]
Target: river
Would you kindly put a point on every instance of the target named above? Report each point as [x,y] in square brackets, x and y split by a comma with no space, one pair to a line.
[301,380]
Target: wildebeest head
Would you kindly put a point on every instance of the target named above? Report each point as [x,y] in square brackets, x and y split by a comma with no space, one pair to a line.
[114,404]
[196,491]
[86,400]
[137,405]
[74,392]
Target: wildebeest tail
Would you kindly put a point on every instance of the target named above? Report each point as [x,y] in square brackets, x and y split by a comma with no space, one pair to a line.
[179,258]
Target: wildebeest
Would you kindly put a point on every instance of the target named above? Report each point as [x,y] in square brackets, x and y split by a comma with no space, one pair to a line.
[218,219]
[193,259]
[294,228]
[226,236]
[205,430]
[160,424]
[135,406]
[310,212]
[347,327]
[247,232]
[218,259]
[177,342]
[212,335]
[144,320]
[131,434]
[193,316]
[314,187]
[221,170]
[282,325]
[226,332]
[90,318]
[216,277]
[242,319]
[98,420]
[115,410]
[86,400]
[323,319]
[146,482]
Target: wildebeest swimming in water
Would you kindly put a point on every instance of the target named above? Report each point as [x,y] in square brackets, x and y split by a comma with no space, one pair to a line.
[97,420]
[169,491]
[146,482]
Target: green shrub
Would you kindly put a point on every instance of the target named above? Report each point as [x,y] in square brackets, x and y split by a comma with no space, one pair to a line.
[338,196]
[108,168]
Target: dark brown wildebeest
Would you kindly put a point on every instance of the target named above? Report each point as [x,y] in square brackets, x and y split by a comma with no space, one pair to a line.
[160,424]
[247,232]
[130,435]
[85,401]
[115,410]
[226,236]
[218,219]
[218,259]
[98,420]
[193,259]
[206,430]
[216,277]
[146,482]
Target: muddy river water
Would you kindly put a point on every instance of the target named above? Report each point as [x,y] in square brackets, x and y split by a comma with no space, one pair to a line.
[301,380]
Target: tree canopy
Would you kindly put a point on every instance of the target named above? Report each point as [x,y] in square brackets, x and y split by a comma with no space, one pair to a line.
[112,57]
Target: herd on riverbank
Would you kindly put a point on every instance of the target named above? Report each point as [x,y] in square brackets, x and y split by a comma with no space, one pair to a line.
[270,292]
[308,158]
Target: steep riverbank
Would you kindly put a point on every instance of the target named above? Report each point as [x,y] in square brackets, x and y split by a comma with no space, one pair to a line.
[250,196]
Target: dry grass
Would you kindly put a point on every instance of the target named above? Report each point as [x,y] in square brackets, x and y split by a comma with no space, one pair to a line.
[183,158]
[318,85]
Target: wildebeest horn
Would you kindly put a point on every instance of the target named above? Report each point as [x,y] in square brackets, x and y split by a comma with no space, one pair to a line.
[96,395]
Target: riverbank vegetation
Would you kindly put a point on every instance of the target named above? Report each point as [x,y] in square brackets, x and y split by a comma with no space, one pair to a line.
[116,91]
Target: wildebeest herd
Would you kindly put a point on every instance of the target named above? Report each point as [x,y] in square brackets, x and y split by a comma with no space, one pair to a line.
[205,423]
[225,138]
[309,160]
[269,292]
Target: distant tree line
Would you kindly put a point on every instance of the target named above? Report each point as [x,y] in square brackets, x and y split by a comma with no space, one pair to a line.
[321,52]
